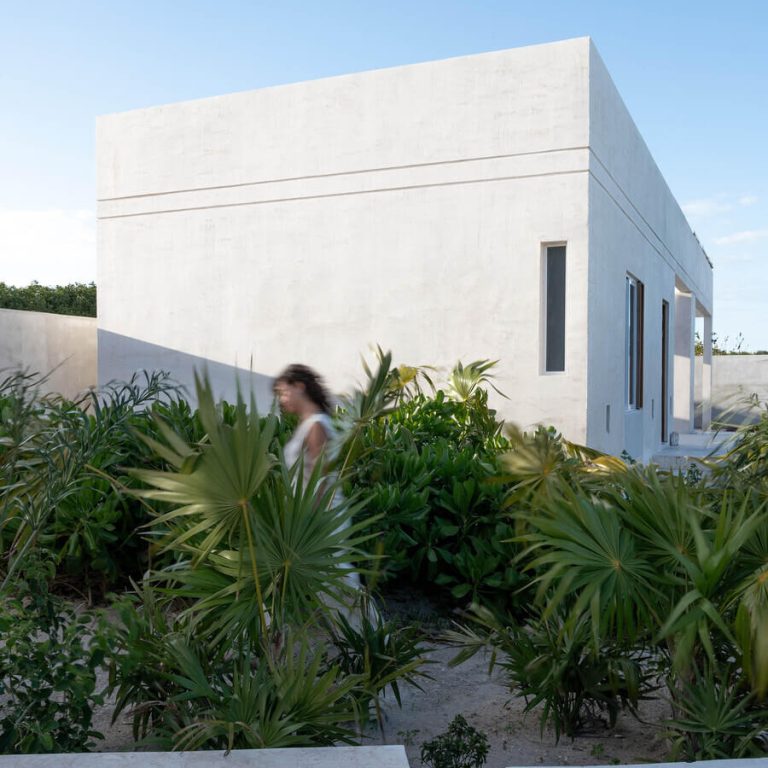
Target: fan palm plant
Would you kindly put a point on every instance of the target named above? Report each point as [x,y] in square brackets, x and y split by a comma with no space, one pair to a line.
[261,548]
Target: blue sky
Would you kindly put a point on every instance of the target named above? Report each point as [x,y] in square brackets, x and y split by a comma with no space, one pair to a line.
[694,76]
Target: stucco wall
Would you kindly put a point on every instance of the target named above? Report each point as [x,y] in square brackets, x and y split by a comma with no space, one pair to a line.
[59,345]
[404,207]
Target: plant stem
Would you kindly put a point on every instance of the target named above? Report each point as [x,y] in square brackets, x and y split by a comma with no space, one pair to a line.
[244,506]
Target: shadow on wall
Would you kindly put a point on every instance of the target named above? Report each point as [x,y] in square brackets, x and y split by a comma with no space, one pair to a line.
[733,412]
[736,379]
[121,356]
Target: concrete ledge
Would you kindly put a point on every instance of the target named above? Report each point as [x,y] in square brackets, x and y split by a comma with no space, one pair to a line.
[317,757]
[746,762]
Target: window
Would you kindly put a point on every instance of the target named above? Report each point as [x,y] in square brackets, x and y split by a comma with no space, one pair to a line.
[634,342]
[554,308]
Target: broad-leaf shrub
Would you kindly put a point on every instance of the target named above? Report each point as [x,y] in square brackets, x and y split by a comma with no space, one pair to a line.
[49,656]
[425,469]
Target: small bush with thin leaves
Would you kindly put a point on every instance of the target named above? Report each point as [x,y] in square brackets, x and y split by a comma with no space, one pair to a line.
[461,746]
[553,666]
[183,694]
[48,662]
[717,717]
[62,483]
[382,655]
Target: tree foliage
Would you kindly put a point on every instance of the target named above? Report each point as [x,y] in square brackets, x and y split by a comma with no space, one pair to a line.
[72,299]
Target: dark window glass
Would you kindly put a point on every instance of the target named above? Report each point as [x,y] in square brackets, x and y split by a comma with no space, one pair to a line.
[634,358]
[555,309]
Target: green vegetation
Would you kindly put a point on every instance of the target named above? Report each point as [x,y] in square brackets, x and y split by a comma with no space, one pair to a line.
[724,346]
[48,662]
[461,746]
[239,624]
[641,578]
[426,469]
[72,299]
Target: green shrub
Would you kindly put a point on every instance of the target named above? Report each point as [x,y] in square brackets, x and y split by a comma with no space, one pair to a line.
[425,470]
[554,667]
[62,478]
[461,746]
[183,694]
[48,662]
[259,559]
[380,654]
[72,299]
[717,717]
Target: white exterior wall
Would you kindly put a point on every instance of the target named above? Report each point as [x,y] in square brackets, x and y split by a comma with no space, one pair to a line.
[63,346]
[635,227]
[405,207]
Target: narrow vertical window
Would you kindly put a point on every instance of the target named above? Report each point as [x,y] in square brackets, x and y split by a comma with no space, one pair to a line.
[634,342]
[554,309]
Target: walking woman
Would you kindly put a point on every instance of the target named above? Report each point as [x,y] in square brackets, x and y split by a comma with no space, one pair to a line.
[301,391]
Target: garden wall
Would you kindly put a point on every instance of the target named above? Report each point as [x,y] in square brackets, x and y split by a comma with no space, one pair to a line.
[62,345]
[735,378]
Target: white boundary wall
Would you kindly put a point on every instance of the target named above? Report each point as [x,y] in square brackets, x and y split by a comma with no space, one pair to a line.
[63,346]
[735,378]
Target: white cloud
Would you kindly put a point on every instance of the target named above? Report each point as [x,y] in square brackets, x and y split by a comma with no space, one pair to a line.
[705,207]
[745,236]
[734,258]
[53,246]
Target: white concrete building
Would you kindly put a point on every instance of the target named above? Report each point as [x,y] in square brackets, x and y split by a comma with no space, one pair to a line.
[502,205]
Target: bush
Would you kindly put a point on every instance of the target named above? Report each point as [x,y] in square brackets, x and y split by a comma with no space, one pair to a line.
[62,478]
[717,717]
[630,565]
[461,746]
[73,299]
[425,470]
[258,562]
[48,662]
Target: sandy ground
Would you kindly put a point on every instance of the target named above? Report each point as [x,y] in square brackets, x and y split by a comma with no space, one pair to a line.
[515,737]
[485,703]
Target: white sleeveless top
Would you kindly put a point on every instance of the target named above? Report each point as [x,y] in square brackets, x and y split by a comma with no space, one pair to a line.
[296,448]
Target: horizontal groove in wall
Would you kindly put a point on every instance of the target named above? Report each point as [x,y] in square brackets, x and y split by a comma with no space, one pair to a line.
[337,174]
[478,171]
[636,218]
[344,194]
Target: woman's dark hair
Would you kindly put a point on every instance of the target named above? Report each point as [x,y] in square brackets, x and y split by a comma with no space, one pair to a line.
[313,384]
